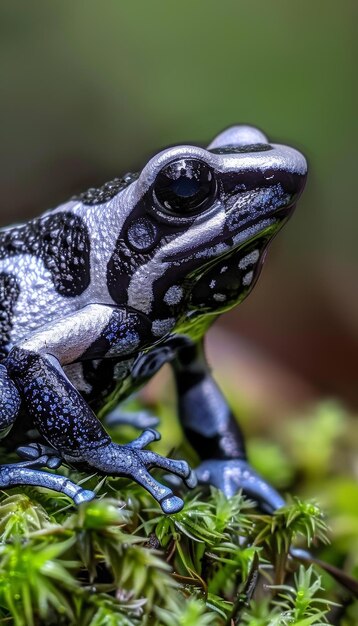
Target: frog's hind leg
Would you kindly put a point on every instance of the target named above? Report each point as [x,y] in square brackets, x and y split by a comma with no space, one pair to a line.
[214,433]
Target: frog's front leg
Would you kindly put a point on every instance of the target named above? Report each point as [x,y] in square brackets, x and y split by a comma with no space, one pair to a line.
[59,411]
[27,472]
[214,433]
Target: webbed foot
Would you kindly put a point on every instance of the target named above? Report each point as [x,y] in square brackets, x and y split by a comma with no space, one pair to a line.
[233,475]
[132,461]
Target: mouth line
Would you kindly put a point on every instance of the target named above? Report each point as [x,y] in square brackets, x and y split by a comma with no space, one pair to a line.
[279,213]
[245,233]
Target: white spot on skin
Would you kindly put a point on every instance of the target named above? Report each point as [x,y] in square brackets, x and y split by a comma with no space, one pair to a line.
[249,259]
[173,295]
[219,297]
[224,269]
[212,284]
[247,279]
[161,327]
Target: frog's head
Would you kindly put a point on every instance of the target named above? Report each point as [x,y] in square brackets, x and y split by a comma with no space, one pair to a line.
[201,220]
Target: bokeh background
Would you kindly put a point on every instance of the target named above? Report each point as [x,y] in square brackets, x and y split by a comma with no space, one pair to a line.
[90,89]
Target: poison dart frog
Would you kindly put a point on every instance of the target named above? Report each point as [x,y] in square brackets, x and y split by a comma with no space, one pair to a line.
[98,293]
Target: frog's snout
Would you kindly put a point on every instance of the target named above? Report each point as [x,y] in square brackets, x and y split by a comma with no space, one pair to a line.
[293,170]
[247,150]
[293,183]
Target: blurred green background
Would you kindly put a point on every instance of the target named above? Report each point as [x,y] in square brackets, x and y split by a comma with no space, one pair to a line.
[90,89]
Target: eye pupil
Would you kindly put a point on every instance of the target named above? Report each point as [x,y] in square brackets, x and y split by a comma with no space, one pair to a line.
[185,187]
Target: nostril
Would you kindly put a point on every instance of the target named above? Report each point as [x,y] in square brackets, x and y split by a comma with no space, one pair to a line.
[270,175]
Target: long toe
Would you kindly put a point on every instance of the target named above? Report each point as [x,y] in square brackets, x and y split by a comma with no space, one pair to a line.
[84,496]
[172,505]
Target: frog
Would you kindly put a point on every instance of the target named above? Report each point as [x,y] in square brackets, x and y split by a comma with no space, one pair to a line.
[100,292]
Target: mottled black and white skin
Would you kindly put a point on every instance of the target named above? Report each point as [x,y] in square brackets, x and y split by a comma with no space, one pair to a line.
[99,293]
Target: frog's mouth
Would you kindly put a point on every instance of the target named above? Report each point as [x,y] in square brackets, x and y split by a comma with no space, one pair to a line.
[257,226]
[251,214]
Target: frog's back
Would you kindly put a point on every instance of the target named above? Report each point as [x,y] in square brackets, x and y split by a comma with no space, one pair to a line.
[44,265]
[55,264]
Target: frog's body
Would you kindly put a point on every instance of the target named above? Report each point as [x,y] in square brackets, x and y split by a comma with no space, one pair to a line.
[101,291]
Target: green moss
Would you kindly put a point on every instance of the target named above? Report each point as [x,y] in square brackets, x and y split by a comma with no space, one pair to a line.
[119,561]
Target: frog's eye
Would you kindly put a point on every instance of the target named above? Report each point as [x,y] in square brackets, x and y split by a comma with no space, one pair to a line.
[185,187]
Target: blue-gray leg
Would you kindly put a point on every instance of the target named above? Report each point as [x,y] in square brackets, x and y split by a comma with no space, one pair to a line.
[24,473]
[214,433]
[70,427]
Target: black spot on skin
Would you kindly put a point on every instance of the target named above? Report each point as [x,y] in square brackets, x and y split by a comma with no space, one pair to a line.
[119,271]
[125,331]
[9,293]
[62,242]
[99,195]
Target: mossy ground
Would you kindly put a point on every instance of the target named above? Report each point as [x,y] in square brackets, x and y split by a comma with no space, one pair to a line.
[119,561]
